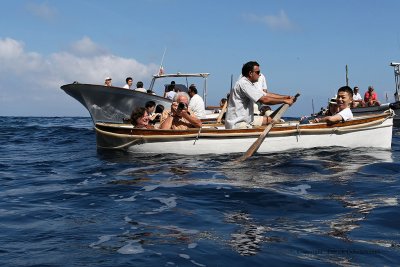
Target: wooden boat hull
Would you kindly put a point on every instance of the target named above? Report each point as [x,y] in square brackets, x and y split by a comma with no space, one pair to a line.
[373,131]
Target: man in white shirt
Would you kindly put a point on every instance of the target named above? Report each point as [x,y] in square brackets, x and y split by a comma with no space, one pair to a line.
[240,112]
[343,102]
[170,91]
[196,103]
[139,87]
[129,82]
[358,101]
[261,84]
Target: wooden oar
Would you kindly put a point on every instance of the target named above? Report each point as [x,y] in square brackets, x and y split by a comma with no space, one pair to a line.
[219,119]
[254,147]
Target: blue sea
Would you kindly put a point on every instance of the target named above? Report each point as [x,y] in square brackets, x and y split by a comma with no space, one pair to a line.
[65,203]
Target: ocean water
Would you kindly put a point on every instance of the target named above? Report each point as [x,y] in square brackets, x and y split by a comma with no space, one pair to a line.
[65,203]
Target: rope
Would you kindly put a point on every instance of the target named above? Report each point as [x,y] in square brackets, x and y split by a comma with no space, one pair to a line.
[197,137]
[124,145]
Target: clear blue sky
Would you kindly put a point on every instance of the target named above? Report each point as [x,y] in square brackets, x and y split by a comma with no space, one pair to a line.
[302,46]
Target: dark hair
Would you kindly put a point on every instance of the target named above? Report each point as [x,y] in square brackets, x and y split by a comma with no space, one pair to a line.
[171,87]
[223,101]
[346,89]
[159,109]
[193,89]
[136,114]
[139,84]
[128,79]
[248,67]
[150,104]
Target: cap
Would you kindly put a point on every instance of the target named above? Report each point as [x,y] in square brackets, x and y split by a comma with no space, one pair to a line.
[333,100]
[107,78]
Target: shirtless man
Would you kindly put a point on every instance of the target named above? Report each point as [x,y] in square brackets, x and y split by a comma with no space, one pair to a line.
[180,116]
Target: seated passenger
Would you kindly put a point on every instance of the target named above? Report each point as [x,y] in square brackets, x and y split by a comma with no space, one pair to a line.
[159,109]
[158,112]
[222,102]
[140,118]
[265,111]
[170,93]
[332,107]
[150,109]
[221,105]
[179,117]
[240,112]
[139,87]
[357,99]
[343,102]
[371,98]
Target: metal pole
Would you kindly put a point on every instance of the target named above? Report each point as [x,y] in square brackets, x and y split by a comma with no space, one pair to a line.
[312,104]
[205,92]
[397,82]
[347,77]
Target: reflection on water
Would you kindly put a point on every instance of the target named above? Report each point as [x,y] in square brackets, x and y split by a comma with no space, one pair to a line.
[247,239]
[309,179]
[342,226]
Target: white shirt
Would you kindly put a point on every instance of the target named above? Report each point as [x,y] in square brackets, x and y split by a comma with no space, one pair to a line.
[196,104]
[141,90]
[240,103]
[261,83]
[346,114]
[357,97]
[126,86]
[170,95]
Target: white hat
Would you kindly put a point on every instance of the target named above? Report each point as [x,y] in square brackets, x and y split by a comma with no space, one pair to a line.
[107,78]
[333,100]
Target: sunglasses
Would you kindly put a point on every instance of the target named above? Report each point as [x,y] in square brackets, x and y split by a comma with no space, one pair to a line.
[258,72]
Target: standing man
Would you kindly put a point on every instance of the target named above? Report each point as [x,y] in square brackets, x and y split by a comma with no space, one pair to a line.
[244,94]
[196,103]
[129,82]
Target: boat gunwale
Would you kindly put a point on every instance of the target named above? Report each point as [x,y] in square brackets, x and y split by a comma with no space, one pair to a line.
[279,129]
[89,86]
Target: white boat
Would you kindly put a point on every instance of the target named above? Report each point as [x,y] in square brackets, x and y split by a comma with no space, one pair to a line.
[114,104]
[395,106]
[373,131]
